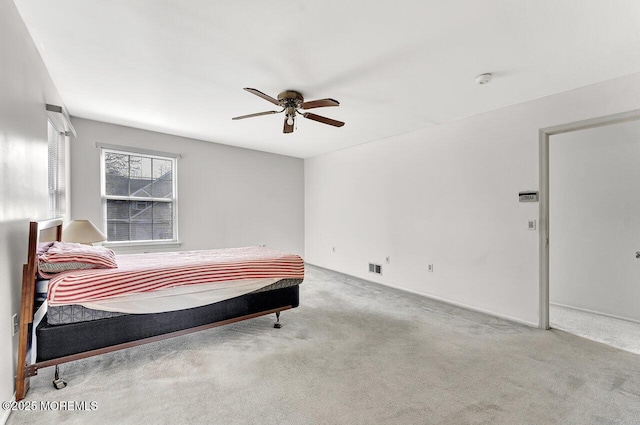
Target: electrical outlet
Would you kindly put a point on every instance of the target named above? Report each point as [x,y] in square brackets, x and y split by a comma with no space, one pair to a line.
[531,225]
[334,249]
[430,268]
[14,325]
[388,260]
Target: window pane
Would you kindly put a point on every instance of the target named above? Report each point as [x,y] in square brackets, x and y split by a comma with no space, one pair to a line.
[162,211]
[141,210]
[162,230]
[163,188]
[141,187]
[116,174]
[161,168]
[117,210]
[162,220]
[140,183]
[140,167]
[117,231]
[141,230]
[116,164]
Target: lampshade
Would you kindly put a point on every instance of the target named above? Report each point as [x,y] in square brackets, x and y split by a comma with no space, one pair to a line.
[82,231]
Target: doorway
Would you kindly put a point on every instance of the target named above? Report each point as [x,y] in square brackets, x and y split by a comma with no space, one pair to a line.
[590,231]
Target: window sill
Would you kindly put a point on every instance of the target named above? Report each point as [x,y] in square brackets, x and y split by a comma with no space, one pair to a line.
[142,244]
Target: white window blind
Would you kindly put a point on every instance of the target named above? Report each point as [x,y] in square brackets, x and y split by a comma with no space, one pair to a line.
[56,171]
[139,196]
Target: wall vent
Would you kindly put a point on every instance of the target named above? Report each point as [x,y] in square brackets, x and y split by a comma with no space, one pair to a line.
[375,268]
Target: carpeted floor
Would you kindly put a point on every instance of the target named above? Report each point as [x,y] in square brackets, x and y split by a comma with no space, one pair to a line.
[617,333]
[354,353]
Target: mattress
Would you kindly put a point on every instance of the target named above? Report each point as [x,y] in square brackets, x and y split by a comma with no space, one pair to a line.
[75,313]
[236,271]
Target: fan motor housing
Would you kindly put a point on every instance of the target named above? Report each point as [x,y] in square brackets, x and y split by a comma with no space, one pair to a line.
[290,98]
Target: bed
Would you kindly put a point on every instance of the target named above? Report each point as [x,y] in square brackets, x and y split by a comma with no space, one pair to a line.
[56,328]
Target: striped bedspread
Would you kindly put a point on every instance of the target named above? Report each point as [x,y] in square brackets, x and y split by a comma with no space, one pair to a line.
[140,273]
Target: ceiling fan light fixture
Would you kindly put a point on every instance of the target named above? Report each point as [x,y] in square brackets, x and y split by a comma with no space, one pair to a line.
[290,120]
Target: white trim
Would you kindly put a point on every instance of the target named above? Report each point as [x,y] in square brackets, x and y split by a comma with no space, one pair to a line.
[544,134]
[5,415]
[129,149]
[133,244]
[599,313]
[543,226]
[61,117]
[139,198]
[440,299]
[103,198]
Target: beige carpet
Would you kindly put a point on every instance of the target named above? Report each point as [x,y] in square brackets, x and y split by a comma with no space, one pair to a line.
[354,353]
[617,333]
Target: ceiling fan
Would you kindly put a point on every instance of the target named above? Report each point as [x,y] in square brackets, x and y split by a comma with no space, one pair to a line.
[291,102]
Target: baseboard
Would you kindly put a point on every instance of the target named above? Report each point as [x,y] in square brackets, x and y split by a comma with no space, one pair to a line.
[6,413]
[440,299]
[599,313]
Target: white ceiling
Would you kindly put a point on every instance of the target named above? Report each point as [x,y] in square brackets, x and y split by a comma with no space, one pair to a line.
[179,67]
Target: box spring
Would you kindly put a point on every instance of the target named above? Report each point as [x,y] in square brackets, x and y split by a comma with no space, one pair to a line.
[68,339]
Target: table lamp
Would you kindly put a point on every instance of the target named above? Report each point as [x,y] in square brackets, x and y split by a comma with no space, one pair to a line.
[82,231]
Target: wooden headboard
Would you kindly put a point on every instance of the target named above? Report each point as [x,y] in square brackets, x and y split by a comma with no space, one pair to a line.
[39,231]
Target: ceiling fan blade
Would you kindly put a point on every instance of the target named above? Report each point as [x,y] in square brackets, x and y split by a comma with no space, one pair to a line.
[287,128]
[241,117]
[320,103]
[323,120]
[262,95]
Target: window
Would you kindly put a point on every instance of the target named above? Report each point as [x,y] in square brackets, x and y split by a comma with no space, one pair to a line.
[139,195]
[56,167]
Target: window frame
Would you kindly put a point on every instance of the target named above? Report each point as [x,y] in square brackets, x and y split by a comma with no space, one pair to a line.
[125,150]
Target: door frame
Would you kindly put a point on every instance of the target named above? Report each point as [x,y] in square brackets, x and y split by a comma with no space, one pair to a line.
[544,135]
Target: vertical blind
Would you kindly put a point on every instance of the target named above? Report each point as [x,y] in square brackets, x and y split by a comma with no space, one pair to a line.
[56,168]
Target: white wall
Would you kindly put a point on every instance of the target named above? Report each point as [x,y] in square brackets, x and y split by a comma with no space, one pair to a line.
[227,196]
[594,219]
[25,88]
[448,195]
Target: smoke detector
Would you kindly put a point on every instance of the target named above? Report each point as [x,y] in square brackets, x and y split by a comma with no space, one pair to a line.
[483,79]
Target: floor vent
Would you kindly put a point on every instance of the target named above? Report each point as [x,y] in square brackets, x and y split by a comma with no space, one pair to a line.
[375,268]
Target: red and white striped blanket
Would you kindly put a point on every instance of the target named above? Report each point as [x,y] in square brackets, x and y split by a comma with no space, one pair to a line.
[149,272]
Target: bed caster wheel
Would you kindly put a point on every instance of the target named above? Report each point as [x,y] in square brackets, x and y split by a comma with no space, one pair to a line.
[58,382]
[277,325]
